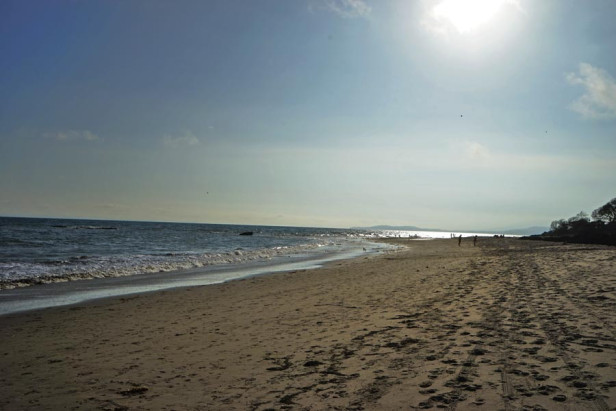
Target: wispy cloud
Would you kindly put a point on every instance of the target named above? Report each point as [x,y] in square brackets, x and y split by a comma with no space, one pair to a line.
[599,100]
[473,155]
[348,9]
[112,206]
[187,138]
[72,135]
[476,151]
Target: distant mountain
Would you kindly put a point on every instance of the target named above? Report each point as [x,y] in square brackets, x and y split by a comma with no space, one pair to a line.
[514,231]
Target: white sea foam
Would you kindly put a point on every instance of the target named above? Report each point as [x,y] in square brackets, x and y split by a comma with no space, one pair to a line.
[22,274]
[36,251]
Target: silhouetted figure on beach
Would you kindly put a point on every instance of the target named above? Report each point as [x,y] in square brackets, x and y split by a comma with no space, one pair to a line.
[474,241]
[459,240]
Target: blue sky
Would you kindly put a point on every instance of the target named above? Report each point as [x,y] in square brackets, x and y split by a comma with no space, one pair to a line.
[473,114]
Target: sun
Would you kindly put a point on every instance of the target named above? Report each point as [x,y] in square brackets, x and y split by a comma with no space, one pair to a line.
[466,15]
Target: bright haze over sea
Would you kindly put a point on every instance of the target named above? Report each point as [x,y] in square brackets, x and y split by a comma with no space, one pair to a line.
[457,114]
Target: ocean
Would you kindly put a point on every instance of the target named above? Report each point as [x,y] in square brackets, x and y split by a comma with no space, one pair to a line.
[35,251]
[41,259]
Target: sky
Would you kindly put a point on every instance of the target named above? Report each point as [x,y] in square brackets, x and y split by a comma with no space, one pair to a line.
[467,114]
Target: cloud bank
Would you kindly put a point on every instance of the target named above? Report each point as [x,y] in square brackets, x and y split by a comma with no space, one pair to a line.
[599,99]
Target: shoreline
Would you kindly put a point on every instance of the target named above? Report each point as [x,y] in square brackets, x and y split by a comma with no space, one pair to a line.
[506,324]
[64,292]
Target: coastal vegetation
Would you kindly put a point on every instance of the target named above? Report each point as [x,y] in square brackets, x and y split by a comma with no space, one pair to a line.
[598,228]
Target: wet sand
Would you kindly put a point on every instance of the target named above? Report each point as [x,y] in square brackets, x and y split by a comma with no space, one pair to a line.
[509,324]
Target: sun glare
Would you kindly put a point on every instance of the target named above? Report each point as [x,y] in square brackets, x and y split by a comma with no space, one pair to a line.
[467,15]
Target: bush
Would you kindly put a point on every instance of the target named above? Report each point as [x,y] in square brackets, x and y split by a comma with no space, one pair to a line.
[581,229]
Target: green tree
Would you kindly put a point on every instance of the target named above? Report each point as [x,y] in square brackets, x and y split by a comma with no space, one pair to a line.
[559,226]
[606,213]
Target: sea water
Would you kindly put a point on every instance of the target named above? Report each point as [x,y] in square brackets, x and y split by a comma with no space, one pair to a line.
[36,251]
[40,259]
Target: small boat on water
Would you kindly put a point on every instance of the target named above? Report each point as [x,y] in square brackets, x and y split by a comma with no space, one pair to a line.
[247,233]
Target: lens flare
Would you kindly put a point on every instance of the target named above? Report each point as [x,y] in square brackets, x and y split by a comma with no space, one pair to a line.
[467,15]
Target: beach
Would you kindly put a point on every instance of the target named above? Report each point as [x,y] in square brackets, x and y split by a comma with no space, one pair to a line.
[509,324]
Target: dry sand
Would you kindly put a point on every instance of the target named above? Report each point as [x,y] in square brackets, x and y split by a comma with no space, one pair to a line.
[508,324]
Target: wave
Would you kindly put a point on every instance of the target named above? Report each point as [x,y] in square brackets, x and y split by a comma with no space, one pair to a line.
[13,275]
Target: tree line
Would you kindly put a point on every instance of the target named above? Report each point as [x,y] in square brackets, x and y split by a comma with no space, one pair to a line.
[598,228]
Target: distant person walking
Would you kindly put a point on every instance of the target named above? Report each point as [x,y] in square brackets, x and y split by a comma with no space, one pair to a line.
[475,241]
[459,240]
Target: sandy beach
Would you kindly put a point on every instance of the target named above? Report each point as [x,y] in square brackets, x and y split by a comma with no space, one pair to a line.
[508,324]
